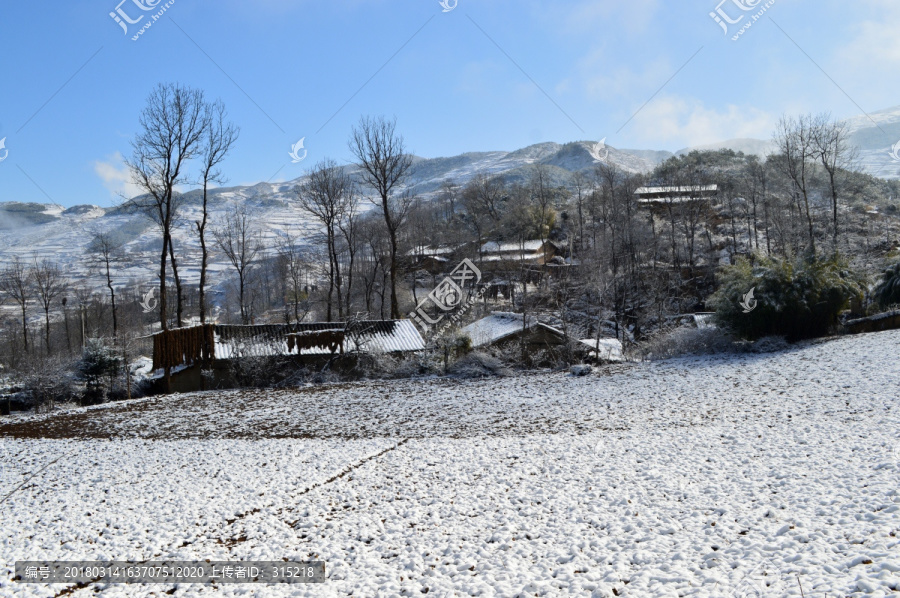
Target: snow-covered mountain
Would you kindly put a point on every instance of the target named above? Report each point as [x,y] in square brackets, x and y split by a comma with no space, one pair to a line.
[34,230]
[876,135]
[52,231]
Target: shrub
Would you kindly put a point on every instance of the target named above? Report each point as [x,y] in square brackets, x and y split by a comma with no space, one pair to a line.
[688,341]
[887,292]
[796,299]
[478,365]
[98,369]
[452,346]
[47,381]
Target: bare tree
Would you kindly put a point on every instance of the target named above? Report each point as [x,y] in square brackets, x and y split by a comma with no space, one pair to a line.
[220,138]
[328,196]
[543,198]
[582,185]
[482,199]
[173,125]
[293,268]
[16,285]
[107,253]
[241,242]
[831,145]
[348,227]
[385,167]
[795,141]
[49,283]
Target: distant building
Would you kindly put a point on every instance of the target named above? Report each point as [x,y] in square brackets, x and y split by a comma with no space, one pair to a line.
[434,260]
[504,256]
[666,196]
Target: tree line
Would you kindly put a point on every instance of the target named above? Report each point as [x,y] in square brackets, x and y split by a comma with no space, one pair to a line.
[628,260]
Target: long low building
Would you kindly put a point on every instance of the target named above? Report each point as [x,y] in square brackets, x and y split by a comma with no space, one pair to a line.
[668,195]
[186,352]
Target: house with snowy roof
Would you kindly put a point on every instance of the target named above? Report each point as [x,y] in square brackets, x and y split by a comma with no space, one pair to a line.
[498,256]
[508,331]
[665,196]
[540,342]
[186,352]
[432,259]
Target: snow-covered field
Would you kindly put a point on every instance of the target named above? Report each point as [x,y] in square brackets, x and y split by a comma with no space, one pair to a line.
[752,475]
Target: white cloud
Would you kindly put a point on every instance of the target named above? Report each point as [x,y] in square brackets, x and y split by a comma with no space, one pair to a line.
[866,62]
[604,79]
[116,177]
[680,123]
[632,16]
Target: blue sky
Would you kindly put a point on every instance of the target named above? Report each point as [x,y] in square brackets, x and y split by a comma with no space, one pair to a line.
[487,75]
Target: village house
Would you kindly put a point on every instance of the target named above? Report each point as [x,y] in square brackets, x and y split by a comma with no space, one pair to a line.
[662,198]
[434,260]
[541,343]
[496,255]
[187,352]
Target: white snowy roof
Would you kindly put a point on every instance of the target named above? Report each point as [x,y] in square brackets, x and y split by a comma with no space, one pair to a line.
[423,250]
[388,336]
[528,246]
[497,326]
[609,349]
[665,190]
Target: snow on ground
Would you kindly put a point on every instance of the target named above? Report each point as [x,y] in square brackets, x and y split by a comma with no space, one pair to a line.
[750,475]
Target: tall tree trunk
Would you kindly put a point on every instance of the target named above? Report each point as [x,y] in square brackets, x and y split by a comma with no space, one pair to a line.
[834,205]
[163,323]
[395,304]
[244,319]
[112,298]
[25,326]
[47,328]
[68,334]
[179,306]
[204,257]
[330,243]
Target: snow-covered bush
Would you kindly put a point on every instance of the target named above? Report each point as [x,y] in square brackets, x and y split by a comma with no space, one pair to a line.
[792,298]
[887,293]
[47,381]
[688,341]
[98,369]
[478,365]
[387,366]
[452,346]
